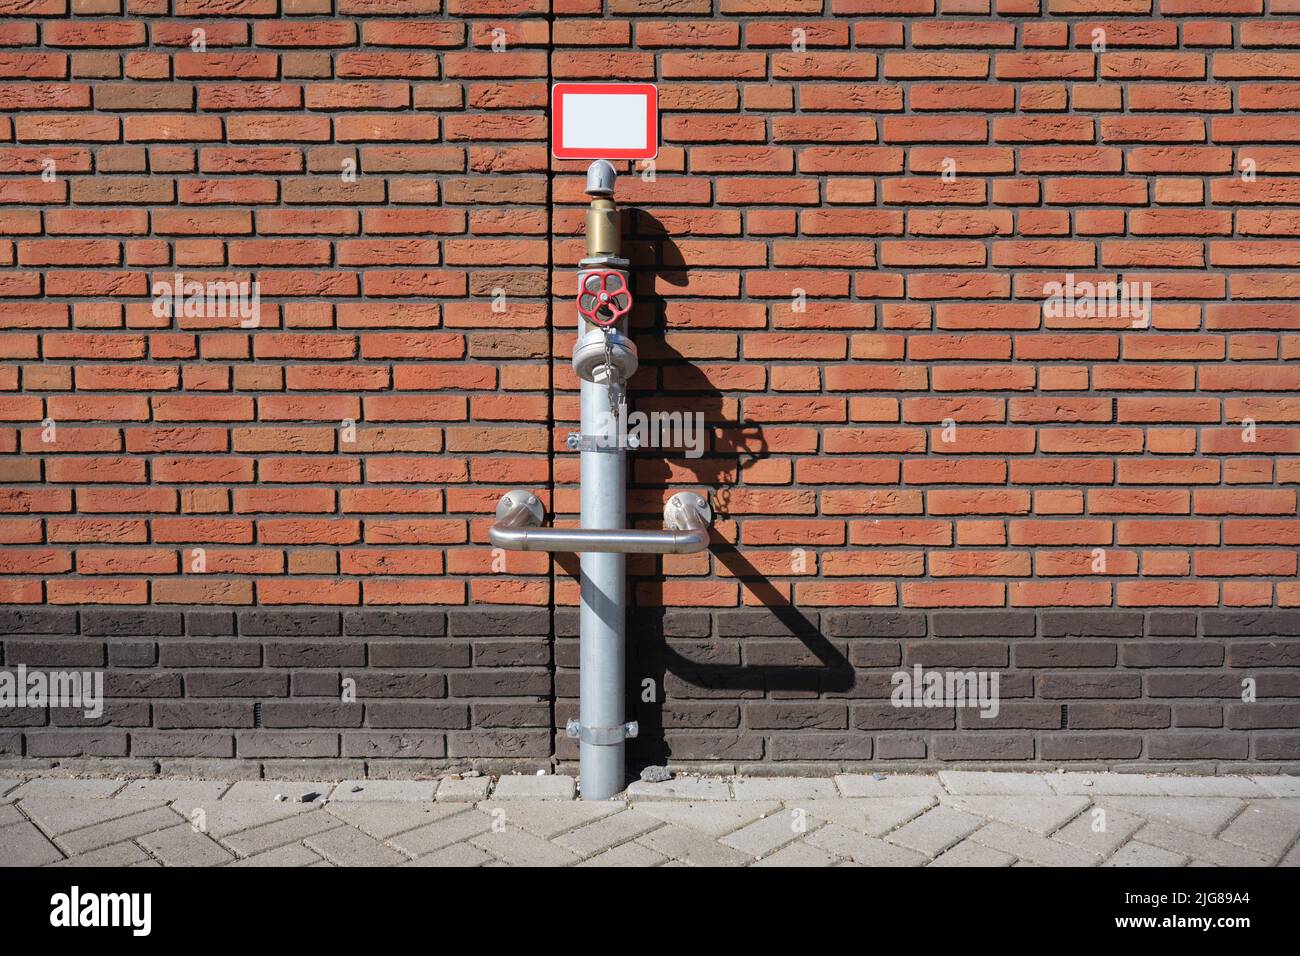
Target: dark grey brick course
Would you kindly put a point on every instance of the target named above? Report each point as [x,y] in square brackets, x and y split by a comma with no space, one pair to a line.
[983,624]
[732,685]
[1092,624]
[765,623]
[1261,623]
[1090,747]
[210,623]
[136,622]
[472,622]
[874,624]
[37,621]
[395,623]
[1171,624]
[289,623]
[272,744]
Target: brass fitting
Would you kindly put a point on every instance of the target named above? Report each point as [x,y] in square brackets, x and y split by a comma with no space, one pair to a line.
[603,228]
[603,222]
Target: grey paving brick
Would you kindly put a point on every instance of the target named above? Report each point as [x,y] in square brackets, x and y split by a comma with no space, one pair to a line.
[874,816]
[899,785]
[463,789]
[763,836]
[114,831]
[715,819]
[59,815]
[268,790]
[680,788]
[1031,847]
[195,791]
[798,854]
[1136,853]
[458,854]
[268,836]
[549,818]
[626,854]
[520,848]
[601,835]
[295,854]
[969,853]
[126,853]
[344,846]
[935,830]
[1211,787]
[221,818]
[182,846]
[397,822]
[1206,815]
[684,845]
[1038,813]
[535,787]
[842,842]
[22,844]
[1279,786]
[970,782]
[1080,832]
[6,786]
[1266,827]
[383,819]
[1198,846]
[783,788]
[388,790]
[441,833]
[1091,784]
[66,788]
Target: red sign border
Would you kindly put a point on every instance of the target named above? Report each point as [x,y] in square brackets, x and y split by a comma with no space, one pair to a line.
[558,92]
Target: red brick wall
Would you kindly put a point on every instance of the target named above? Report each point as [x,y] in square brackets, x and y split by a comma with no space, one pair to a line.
[835,485]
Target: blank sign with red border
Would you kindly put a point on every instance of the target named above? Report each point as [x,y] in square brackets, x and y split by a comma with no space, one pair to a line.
[604,121]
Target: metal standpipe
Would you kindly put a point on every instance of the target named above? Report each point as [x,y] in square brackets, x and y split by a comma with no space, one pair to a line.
[604,358]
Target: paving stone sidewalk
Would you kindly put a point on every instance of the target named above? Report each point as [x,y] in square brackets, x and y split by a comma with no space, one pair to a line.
[953,818]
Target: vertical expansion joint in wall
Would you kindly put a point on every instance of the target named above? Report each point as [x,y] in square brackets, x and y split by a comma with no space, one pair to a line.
[550,373]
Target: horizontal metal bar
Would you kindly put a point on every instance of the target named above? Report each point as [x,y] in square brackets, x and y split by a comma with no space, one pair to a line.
[588,540]
[518,528]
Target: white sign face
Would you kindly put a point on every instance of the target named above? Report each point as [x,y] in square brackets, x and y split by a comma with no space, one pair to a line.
[604,121]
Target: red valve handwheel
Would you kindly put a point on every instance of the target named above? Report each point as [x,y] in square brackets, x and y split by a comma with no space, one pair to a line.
[603,296]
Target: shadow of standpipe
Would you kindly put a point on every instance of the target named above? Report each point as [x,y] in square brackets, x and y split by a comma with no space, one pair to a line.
[667,646]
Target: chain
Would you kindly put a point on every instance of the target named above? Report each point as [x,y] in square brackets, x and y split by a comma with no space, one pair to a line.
[612,383]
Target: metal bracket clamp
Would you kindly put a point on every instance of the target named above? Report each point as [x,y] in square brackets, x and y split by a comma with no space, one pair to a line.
[601,736]
[530,512]
[599,443]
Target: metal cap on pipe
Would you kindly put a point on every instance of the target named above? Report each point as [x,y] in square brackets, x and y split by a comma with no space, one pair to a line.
[600,178]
